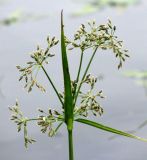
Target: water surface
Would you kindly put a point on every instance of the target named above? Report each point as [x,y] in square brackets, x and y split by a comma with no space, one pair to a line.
[125,105]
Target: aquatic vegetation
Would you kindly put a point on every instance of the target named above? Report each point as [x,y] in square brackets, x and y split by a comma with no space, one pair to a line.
[139,76]
[19,16]
[76,104]
[96,5]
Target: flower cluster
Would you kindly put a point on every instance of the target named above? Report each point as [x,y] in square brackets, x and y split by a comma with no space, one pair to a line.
[89,103]
[91,80]
[30,72]
[46,121]
[21,122]
[89,100]
[91,37]
[102,36]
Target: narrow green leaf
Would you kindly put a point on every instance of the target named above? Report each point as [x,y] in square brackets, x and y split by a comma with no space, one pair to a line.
[68,101]
[108,129]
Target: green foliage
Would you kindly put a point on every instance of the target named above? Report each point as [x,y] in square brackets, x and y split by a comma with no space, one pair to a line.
[109,129]
[92,39]
[68,99]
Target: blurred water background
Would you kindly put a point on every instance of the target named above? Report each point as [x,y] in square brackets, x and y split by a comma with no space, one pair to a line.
[23,25]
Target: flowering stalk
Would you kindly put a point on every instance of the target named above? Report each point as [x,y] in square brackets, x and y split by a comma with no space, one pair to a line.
[92,38]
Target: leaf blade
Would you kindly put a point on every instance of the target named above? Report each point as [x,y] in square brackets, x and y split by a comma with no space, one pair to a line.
[109,129]
[68,100]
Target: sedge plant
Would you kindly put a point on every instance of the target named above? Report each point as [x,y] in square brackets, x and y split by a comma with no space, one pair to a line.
[76,104]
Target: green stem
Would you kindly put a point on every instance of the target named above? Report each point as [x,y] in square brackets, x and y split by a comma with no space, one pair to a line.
[32,119]
[60,124]
[70,141]
[52,85]
[79,70]
[78,90]
[81,59]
